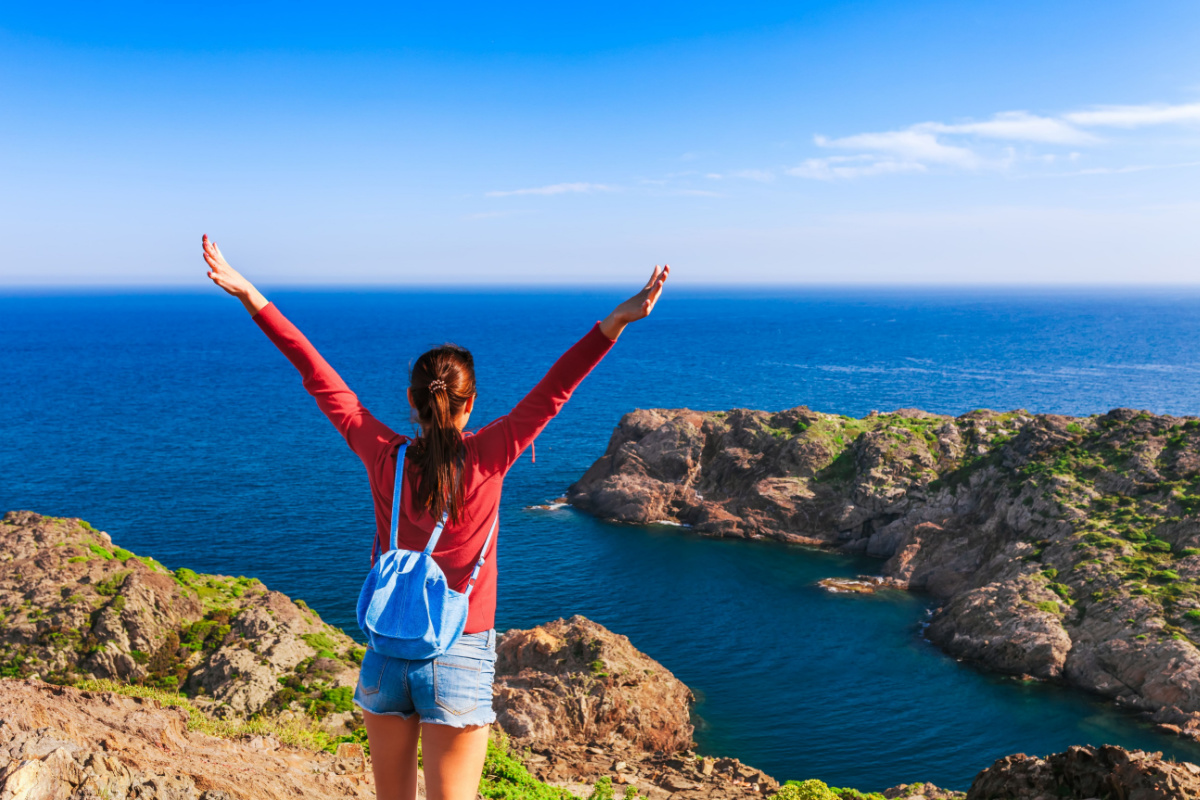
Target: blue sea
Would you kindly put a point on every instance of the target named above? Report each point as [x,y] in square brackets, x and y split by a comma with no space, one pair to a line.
[171,422]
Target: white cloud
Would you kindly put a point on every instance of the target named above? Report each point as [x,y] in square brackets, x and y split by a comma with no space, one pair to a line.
[909,145]
[1004,142]
[1018,126]
[835,167]
[1136,116]
[557,188]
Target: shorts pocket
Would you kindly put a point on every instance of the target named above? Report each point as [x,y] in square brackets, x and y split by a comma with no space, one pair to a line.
[456,683]
[370,677]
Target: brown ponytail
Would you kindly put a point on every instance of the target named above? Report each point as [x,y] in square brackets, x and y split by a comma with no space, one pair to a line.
[442,382]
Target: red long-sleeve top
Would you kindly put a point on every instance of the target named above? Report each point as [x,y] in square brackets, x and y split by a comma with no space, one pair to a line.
[490,452]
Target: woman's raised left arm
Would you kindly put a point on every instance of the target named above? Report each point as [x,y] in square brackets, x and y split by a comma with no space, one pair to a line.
[362,431]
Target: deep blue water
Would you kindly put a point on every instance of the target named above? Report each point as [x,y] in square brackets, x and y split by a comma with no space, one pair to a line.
[171,422]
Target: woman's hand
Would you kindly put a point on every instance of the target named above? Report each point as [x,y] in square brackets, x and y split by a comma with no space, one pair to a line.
[637,307]
[230,279]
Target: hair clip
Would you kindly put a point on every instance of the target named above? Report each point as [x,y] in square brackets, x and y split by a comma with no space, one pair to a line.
[436,383]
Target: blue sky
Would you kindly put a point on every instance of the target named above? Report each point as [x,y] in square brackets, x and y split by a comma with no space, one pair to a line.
[868,142]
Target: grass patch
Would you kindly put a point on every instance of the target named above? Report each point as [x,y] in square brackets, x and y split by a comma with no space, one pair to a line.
[290,732]
[103,552]
[505,778]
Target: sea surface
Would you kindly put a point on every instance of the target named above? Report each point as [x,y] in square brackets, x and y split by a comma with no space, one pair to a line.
[170,421]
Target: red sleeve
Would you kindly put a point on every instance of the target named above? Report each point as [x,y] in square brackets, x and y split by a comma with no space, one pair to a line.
[501,442]
[365,434]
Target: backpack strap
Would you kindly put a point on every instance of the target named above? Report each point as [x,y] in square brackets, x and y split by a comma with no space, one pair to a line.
[397,497]
[482,553]
[397,494]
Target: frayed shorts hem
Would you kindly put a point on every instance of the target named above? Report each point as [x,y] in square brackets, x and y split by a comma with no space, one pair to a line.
[457,723]
[400,714]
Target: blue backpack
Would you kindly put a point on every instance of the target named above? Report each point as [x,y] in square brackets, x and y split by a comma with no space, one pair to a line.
[406,607]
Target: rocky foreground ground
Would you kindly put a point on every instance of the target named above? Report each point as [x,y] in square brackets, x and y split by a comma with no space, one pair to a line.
[125,680]
[1064,548]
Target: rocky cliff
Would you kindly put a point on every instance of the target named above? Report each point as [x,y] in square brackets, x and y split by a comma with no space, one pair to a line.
[166,704]
[1063,548]
[74,606]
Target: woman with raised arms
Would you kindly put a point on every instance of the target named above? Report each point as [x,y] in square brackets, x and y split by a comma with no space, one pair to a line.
[446,701]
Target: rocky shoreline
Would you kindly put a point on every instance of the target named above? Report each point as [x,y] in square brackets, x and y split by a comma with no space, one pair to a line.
[121,679]
[1064,548]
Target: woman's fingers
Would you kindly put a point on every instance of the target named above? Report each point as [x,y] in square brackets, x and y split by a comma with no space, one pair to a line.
[653,277]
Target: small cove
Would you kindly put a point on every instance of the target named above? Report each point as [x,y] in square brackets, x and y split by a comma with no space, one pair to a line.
[171,423]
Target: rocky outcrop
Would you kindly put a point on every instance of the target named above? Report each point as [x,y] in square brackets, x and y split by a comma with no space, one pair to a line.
[1060,548]
[187,655]
[75,606]
[587,706]
[574,679]
[58,743]
[1087,772]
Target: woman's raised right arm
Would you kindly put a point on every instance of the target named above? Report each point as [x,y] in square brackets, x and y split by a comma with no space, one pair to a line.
[502,442]
[365,434]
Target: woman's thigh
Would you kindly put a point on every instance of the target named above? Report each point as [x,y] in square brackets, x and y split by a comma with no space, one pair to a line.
[453,760]
[393,754]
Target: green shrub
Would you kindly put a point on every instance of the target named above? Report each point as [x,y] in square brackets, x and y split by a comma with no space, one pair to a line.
[121,554]
[1049,606]
[811,789]
[342,698]
[505,777]
[1194,614]
[111,585]
[76,559]
[602,790]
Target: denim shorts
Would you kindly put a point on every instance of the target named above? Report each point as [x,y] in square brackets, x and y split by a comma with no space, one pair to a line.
[453,689]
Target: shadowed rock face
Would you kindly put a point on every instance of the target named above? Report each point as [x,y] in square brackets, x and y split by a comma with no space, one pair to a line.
[75,606]
[1062,548]
[1087,772]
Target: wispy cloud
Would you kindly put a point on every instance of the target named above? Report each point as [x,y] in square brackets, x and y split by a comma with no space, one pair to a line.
[1016,126]
[556,188]
[912,145]
[977,145]
[1136,116]
[846,167]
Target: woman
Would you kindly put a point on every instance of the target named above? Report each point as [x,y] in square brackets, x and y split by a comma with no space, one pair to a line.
[447,702]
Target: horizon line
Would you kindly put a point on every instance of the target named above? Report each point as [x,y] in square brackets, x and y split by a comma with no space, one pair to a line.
[537,287]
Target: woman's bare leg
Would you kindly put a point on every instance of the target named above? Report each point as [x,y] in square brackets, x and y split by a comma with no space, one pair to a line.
[453,760]
[394,754]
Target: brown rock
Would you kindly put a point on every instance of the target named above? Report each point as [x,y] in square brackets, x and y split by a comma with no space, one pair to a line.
[576,680]
[1088,772]
[81,607]
[56,740]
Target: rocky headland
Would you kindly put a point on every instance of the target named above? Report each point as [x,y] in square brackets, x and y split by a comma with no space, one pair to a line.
[1063,548]
[122,679]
